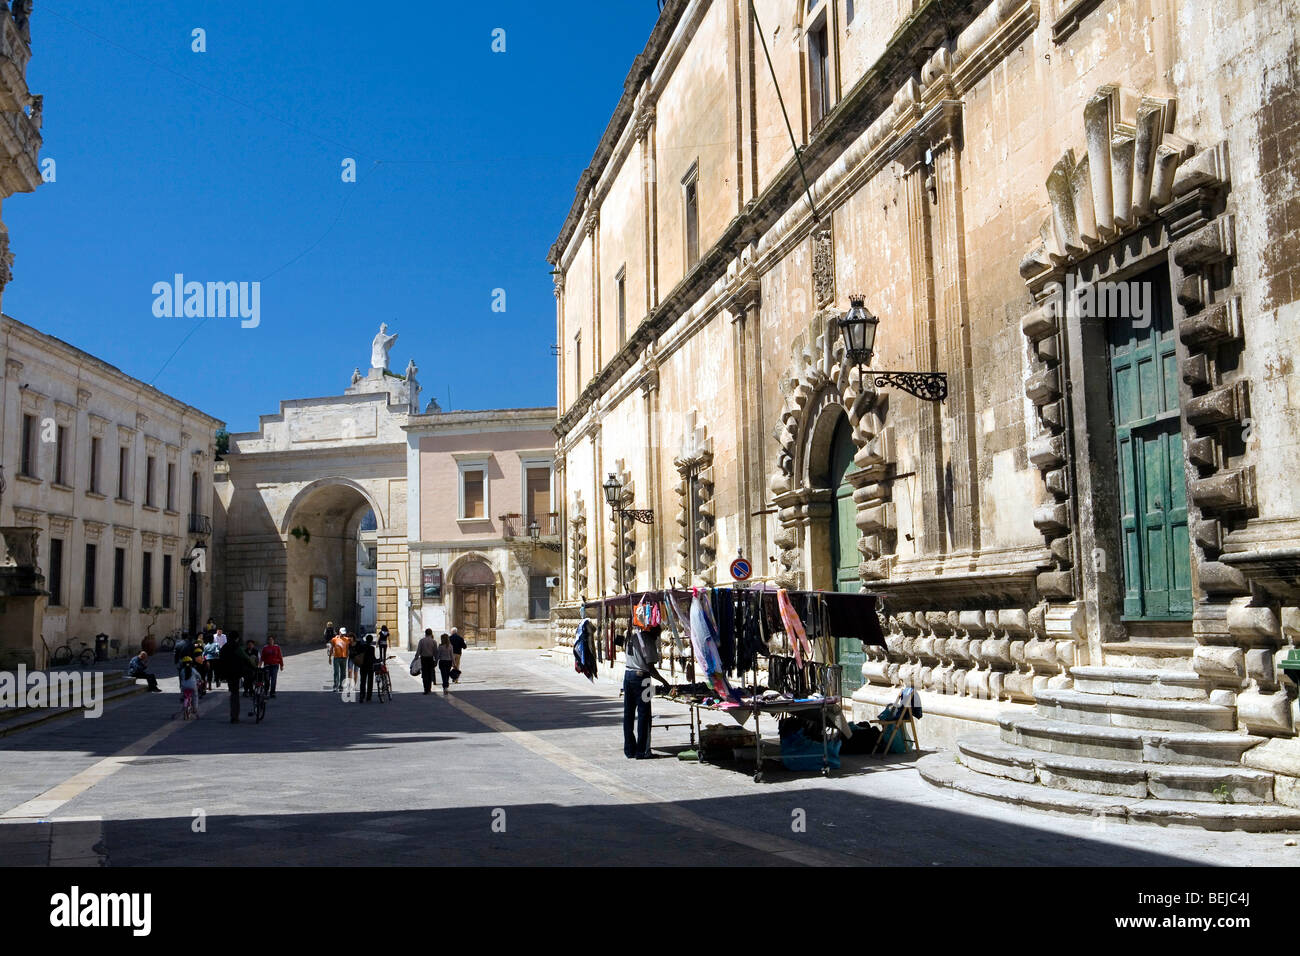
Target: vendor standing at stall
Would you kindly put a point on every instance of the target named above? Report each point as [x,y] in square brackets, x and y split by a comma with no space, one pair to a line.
[641,655]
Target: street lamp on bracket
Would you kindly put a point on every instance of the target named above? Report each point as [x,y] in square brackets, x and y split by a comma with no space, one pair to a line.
[535,533]
[614,497]
[858,326]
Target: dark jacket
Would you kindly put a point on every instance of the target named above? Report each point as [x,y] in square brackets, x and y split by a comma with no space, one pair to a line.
[233,663]
[364,656]
[184,648]
[458,643]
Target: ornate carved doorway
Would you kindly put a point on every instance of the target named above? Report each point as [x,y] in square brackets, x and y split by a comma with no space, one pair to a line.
[475,599]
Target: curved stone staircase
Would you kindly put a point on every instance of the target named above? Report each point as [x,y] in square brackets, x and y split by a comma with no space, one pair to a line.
[1126,744]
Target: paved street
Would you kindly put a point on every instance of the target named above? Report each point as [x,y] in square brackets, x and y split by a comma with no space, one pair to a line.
[522,764]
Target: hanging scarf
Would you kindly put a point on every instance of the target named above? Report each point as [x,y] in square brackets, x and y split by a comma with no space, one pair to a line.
[704,641]
[793,628]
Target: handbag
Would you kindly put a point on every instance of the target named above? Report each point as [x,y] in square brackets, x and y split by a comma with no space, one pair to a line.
[415,666]
[646,614]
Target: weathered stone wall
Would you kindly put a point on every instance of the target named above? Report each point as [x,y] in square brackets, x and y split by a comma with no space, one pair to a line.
[951,184]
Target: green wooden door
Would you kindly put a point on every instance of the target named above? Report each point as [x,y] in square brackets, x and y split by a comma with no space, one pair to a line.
[844,549]
[1152,484]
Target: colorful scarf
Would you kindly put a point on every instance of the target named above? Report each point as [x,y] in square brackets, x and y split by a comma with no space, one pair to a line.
[793,628]
[704,642]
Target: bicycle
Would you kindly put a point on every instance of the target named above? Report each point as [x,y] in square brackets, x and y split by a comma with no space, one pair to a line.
[168,643]
[383,682]
[259,695]
[189,706]
[63,655]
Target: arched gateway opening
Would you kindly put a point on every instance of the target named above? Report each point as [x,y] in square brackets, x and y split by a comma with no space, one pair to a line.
[322,537]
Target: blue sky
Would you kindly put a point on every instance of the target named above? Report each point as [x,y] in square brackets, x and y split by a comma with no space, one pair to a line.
[226,166]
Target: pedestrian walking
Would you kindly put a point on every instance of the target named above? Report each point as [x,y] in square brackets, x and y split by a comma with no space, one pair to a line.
[329,636]
[339,656]
[445,655]
[458,646]
[234,666]
[189,678]
[383,642]
[427,651]
[211,655]
[138,669]
[254,654]
[273,661]
[365,658]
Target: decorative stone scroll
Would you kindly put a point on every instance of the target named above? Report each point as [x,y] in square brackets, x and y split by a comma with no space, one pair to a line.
[623,528]
[578,544]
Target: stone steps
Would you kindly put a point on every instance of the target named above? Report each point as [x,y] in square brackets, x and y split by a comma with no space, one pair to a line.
[1137,713]
[1123,743]
[990,755]
[1141,682]
[19,719]
[1153,654]
[941,770]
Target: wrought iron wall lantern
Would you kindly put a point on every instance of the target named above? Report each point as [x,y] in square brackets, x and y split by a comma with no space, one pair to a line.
[614,496]
[535,532]
[858,327]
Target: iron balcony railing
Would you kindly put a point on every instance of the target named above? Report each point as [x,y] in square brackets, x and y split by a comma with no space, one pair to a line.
[516,525]
[200,524]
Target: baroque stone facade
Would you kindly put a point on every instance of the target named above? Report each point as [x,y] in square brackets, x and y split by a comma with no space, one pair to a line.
[1100,511]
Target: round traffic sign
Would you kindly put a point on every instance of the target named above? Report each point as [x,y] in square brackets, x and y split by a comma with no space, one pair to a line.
[740,570]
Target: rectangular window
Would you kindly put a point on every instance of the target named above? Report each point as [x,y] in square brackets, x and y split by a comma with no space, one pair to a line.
[537,495]
[167,581]
[119,577]
[146,581]
[61,456]
[372,558]
[88,582]
[123,479]
[473,481]
[55,582]
[693,509]
[93,484]
[171,486]
[27,465]
[692,216]
[577,364]
[194,494]
[819,73]
[848,11]
[149,466]
[539,597]
[621,279]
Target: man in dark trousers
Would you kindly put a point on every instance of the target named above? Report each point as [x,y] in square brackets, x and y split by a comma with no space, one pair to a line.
[427,651]
[458,646]
[365,658]
[234,666]
[642,654]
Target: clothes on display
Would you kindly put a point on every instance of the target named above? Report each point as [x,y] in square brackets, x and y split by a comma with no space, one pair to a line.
[584,649]
[793,628]
[704,642]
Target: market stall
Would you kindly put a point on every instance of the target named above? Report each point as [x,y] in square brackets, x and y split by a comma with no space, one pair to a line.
[742,652]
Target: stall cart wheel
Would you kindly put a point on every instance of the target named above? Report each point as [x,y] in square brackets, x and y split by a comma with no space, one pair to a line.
[826,771]
[758,777]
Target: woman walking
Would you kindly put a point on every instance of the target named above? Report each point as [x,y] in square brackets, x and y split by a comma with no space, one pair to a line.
[445,655]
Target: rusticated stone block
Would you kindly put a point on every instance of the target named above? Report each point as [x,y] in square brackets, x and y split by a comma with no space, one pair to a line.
[1210,243]
[1218,578]
[996,689]
[971,622]
[1258,626]
[1268,714]
[1041,322]
[1056,584]
[1227,491]
[1013,620]
[1290,619]
[1052,517]
[1066,653]
[1218,406]
[1041,655]
[1219,663]
[1212,326]
[1053,415]
[1196,371]
[997,651]
[1259,668]
[1044,386]
[959,648]
[1017,650]
[1203,452]
[1048,451]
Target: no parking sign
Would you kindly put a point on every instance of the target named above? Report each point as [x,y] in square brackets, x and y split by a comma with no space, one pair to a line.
[740,570]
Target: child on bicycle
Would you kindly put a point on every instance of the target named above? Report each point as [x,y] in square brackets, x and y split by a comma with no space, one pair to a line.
[189,676]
